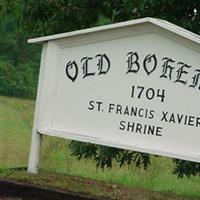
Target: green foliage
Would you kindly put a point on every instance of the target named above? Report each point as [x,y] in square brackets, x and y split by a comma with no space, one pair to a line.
[186,168]
[66,15]
[104,156]
[6,69]
[18,81]
[182,12]
[50,17]
[19,70]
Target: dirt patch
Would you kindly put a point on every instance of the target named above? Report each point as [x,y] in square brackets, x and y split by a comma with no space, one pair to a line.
[25,191]
[58,185]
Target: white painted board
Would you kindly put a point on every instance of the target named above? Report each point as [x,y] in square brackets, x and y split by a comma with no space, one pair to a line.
[136,88]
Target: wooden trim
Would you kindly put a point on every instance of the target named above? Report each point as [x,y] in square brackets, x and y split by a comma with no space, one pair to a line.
[158,22]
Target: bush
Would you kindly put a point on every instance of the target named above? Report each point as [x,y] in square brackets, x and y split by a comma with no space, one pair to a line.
[18,81]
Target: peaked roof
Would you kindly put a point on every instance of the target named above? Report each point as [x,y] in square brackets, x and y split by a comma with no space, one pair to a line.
[158,22]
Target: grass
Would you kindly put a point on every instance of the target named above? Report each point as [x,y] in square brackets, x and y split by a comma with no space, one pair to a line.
[15,134]
[15,131]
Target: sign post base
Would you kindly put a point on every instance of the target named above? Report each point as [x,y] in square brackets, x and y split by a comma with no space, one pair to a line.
[34,153]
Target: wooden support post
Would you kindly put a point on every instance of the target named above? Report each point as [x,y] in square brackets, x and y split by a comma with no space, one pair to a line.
[36,140]
[34,152]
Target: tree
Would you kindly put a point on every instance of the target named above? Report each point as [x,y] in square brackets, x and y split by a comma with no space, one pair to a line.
[19,71]
[49,17]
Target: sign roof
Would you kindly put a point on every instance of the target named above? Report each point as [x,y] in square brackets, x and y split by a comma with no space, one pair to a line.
[148,20]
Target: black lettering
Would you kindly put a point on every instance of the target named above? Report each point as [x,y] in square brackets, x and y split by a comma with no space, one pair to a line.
[85,67]
[158,131]
[111,107]
[133,64]
[172,118]
[101,63]
[122,125]
[186,118]
[126,111]
[99,105]
[140,112]
[91,105]
[138,128]
[150,63]
[151,130]
[71,65]
[119,109]
[164,117]
[150,93]
[196,79]
[130,126]
[179,117]
[167,67]
[151,114]
[146,113]
[181,71]
[198,122]
[134,111]
[191,121]
[145,128]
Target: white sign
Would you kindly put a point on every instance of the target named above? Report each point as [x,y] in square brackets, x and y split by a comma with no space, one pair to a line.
[133,85]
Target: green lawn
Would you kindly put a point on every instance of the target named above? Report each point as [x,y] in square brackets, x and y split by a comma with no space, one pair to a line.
[15,131]
[15,134]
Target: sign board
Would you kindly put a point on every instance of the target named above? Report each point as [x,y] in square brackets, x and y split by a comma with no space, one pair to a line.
[133,85]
